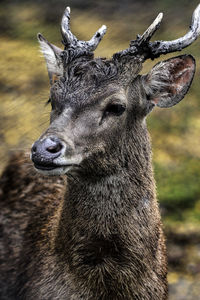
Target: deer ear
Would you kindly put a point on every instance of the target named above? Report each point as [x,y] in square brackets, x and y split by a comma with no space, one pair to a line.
[52,57]
[168,82]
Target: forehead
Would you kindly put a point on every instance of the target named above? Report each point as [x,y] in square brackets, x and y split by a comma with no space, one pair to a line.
[86,82]
[84,96]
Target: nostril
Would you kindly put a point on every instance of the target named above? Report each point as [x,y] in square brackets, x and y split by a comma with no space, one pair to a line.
[55,148]
[47,149]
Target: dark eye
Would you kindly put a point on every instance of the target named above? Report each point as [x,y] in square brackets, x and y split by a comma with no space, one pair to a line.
[114,109]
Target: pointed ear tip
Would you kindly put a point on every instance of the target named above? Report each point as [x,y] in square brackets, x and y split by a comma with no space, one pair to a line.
[187,56]
[192,58]
[189,60]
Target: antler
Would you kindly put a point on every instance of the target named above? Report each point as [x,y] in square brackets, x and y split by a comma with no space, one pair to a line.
[71,41]
[146,49]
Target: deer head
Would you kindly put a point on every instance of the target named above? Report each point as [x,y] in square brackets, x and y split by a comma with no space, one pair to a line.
[99,105]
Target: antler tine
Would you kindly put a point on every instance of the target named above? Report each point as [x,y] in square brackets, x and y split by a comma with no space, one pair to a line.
[164,47]
[70,40]
[137,45]
[97,37]
[143,48]
[151,29]
[68,37]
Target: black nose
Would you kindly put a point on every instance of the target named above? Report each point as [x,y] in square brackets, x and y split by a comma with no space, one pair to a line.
[45,151]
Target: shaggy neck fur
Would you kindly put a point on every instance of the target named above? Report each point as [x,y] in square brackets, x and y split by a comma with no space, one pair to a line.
[109,231]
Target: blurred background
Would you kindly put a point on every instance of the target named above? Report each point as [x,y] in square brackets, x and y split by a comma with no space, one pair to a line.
[24,89]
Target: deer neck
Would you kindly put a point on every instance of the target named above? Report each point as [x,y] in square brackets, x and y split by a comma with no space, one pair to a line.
[108,207]
[109,232]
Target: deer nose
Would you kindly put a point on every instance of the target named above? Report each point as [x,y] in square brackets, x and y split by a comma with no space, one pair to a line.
[45,151]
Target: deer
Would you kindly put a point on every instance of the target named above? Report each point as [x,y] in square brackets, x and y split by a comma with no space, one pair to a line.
[83,221]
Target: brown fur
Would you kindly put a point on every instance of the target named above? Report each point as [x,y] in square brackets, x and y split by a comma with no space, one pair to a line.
[52,254]
[96,233]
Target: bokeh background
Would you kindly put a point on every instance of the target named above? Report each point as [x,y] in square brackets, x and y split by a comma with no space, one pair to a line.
[24,89]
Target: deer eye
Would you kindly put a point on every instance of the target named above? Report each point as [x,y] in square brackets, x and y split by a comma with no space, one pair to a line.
[114,109]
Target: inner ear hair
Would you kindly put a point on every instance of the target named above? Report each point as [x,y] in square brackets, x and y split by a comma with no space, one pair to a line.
[168,81]
[155,81]
[53,59]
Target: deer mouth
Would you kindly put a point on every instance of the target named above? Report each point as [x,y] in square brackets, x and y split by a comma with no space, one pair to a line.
[50,166]
[52,169]
[57,166]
